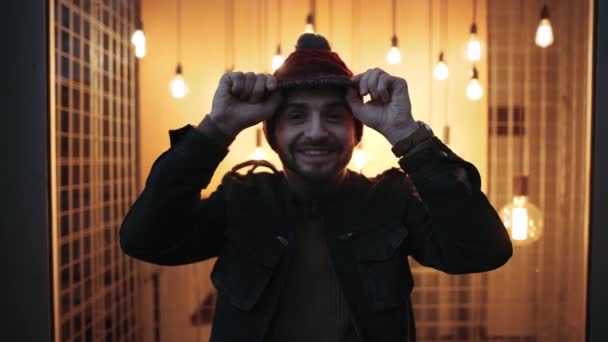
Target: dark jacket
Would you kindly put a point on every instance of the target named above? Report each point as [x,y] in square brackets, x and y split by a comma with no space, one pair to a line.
[371,226]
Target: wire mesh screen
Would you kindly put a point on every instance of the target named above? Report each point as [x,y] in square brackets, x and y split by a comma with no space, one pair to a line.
[95,82]
[538,105]
[543,95]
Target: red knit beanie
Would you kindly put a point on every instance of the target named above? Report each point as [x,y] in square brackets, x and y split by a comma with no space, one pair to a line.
[311,65]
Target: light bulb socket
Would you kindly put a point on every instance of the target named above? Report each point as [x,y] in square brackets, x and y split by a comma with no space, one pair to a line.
[258,138]
[473,29]
[520,186]
[394,41]
[544,12]
[441,56]
[310,19]
[179,69]
[279,49]
[446,134]
[139,25]
[474,73]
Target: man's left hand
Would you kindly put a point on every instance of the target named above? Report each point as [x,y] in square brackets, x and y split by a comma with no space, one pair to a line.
[389,111]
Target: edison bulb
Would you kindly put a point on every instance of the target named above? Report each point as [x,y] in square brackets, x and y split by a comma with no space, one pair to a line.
[277,61]
[140,50]
[309,28]
[258,154]
[474,89]
[394,56]
[523,220]
[544,33]
[138,38]
[441,71]
[178,86]
[474,48]
[359,158]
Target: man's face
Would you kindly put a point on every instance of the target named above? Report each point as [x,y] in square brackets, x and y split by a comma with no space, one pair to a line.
[315,133]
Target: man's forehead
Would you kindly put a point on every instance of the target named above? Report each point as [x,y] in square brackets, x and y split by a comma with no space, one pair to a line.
[315,97]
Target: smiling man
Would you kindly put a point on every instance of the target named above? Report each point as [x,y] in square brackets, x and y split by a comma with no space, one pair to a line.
[316,252]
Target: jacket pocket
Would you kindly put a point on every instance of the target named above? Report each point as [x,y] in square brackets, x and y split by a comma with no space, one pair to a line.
[245,266]
[384,267]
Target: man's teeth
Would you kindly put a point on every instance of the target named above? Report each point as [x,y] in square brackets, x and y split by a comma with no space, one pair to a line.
[315,152]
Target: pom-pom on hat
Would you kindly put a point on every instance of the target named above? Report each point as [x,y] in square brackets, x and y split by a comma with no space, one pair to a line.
[312,65]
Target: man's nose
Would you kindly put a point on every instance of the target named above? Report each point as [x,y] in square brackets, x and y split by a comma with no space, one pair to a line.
[316,128]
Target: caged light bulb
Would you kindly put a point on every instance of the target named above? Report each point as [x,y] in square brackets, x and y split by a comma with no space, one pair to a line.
[544,31]
[523,220]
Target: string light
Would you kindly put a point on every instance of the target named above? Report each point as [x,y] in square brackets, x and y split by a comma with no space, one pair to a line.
[138,39]
[178,85]
[544,31]
[474,88]
[441,71]
[474,45]
[258,153]
[394,55]
[310,19]
[278,59]
[359,157]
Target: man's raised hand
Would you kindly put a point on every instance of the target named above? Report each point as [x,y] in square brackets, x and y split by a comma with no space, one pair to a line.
[243,100]
[389,111]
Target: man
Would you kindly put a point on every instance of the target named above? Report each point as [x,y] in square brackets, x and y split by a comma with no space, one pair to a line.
[316,252]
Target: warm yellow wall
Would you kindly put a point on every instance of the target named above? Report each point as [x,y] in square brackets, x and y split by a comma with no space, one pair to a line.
[203,51]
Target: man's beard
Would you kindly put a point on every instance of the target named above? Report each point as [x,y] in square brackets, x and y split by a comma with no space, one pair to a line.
[338,165]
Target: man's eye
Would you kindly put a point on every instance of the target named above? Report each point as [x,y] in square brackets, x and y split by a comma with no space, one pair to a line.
[335,116]
[295,115]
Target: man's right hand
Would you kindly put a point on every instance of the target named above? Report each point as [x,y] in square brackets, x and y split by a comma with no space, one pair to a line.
[243,100]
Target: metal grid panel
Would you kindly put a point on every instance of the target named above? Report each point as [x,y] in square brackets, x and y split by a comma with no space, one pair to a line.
[95,83]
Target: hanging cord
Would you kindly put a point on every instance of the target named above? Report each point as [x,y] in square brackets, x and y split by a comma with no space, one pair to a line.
[229,29]
[474,11]
[522,118]
[431,59]
[179,31]
[394,18]
[444,22]
[279,20]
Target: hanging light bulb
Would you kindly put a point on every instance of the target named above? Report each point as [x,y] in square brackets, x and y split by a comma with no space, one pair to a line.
[441,71]
[277,60]
[310,24]
[359,158]
[544,31]
[474,45]
[474,88]
[178,86]
[258,153]
[394,56]
[138,39]
[523,220]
